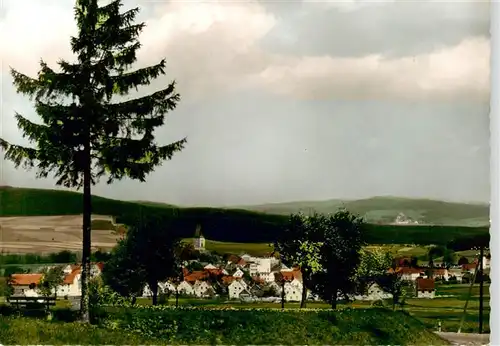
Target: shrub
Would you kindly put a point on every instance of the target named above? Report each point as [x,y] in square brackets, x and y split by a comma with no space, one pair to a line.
[153,326]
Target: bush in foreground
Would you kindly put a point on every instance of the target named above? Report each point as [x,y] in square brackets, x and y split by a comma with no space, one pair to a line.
[163,325]
[263,326]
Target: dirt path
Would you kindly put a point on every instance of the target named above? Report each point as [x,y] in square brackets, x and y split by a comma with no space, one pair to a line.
[466,338]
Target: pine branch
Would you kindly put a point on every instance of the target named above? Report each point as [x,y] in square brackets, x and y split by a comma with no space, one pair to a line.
[134,158]
[19,155]
[157,103]
[123,83]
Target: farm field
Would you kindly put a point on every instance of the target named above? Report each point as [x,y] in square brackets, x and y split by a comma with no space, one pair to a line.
[46,234]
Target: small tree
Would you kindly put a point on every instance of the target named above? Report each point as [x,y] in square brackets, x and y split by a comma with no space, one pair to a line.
[152,249]
[299,245]
[393,284]
[52,278]
[449,258]
[123,272]
[373,264]
[414,262]
[463,260]
[343,235]
[8,271]
[6,289]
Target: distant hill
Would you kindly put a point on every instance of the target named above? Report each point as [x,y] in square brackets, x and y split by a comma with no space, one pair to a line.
[386,209]
[262,224]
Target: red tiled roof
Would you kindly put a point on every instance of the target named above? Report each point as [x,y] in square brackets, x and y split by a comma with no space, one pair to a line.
[258,280]
[197,275]
[234,259]
[439,271]
[69,279]
[25,279]
[408,270]
[226,280]
[216,271]
[425,284]
[469,266]
[99,265]
[242,262]
[286,275]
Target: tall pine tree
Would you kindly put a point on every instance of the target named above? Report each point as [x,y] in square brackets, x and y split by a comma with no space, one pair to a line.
[85,133]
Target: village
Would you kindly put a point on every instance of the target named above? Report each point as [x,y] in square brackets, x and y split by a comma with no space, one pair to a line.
[248,278]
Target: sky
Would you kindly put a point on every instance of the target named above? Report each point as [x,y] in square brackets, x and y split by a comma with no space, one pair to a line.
[293,100]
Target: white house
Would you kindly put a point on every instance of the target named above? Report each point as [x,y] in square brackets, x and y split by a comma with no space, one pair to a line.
[185,288]
[262,267]
[486,262]
[410,274]
[203,289]
[168,286]
[456,273]
[442,273]
[425,288]
[247,258]
[209,267]
[72,284]
[276,287]
[238,274]
[25,284]
[163,287]
[236,288]
[374,293]
[293,293]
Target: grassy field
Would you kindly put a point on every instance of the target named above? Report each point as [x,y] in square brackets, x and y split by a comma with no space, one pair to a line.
[218,224]
[261,249]
[236,327]
[220,247]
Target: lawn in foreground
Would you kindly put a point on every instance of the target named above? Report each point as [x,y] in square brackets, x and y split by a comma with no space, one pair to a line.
[31,331]
[237,327]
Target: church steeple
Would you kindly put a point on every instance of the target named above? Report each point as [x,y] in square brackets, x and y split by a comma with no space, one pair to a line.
[199,239]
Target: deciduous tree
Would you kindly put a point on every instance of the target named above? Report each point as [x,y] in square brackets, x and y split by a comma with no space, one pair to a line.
[86,128]
[123,272]
[150,249]
[374,263]
[300,245]
[343,239]
[52,278]
[393,284]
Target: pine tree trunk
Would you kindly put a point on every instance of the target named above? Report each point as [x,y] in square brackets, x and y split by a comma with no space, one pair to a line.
[86,244]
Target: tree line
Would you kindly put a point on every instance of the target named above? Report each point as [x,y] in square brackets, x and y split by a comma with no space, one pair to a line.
[63,256]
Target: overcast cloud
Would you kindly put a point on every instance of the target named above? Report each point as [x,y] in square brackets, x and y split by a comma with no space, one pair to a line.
[294,100]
